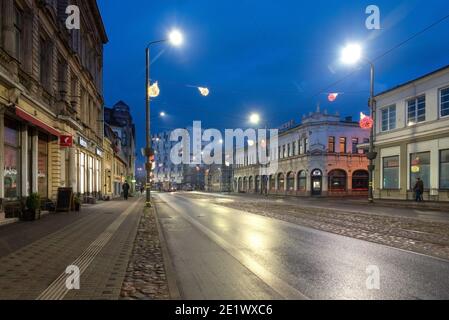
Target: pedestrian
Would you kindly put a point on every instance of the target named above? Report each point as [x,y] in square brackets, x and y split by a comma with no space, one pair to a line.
[142,189]
[126,190]
[419,190]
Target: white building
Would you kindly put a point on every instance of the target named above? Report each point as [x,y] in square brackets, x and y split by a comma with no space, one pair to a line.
[320,157]
[412,138]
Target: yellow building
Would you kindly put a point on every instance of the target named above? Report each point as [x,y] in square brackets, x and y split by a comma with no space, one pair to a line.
[51,103]
[108,165]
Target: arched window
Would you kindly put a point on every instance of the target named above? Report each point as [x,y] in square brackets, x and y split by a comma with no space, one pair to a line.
[302,180]
[337,180]
[251,186]
[290,181]
[257,186]
[360,180]
[272,183]
[281,182]
[245,184]
[240,186]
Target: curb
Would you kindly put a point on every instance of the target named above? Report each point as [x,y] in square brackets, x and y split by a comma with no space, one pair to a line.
[169,268]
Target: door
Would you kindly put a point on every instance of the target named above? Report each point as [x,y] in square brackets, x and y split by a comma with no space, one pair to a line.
[317,182]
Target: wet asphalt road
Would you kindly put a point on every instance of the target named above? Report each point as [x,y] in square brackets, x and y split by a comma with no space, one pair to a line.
[222,253]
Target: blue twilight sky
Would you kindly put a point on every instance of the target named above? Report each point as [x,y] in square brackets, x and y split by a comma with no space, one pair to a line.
[274,57]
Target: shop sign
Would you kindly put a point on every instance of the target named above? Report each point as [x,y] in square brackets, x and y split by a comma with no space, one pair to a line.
[316,173]
[65,141]
[83,142]
[99,152]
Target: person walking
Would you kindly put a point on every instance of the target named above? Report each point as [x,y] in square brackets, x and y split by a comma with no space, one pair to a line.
[419,190]
[126,190]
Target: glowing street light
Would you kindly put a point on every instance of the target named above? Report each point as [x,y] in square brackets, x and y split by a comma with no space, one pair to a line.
[162,114]
[351,54]
[176,38]
[254,118]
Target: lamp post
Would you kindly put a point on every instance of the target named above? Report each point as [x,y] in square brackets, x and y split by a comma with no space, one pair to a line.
[351,54]
[176,39]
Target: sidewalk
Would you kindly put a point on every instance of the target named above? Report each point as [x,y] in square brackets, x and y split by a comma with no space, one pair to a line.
[99,240]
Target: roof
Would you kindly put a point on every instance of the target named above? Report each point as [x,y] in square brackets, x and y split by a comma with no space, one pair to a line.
[414,80]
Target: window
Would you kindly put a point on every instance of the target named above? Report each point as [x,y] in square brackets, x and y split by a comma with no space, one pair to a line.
[290,181]
[12,168]
[420,168]
[343,145]
[444,102]
[288,150]
[331,144]
[42,166]
[1,25]
[18,33]
[389,118]
[390,172]
[45,65]
[294,148]
[360,180]
[300,147]
[337,180]
[355,143]
[283,151]
[306,145]
[281,182]
[302,180]
[444,169]
[416,109]
[82,173]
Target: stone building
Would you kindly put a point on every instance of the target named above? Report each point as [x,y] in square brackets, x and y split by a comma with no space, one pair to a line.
[51,101]
[121,122]
[320,157]
[412,138]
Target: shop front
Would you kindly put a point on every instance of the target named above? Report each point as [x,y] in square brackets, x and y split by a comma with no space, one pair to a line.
[89,169]
[24,158]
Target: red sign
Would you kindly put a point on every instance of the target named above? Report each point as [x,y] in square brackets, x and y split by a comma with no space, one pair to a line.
[332,96]
[66,141]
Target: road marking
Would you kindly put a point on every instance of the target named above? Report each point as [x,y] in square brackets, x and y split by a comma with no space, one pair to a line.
[280,286]
[57,290]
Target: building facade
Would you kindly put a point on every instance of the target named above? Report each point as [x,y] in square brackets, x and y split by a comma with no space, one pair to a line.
[412,138]
[119,119]
[218,178]
[50,99]
[320,157]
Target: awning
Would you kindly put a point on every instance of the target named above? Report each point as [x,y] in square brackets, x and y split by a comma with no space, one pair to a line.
[38,123]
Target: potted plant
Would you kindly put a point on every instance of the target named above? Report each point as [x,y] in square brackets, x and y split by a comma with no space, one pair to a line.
[77,202]
[33,207]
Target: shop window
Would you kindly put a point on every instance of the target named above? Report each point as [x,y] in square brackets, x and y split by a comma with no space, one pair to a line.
[272,182]
[12,160]
[420,168]
[390,172]
[337,180]
[444,169]
[281,182]
[360,180]
[302,180]
[82,173]
[42,166]
[290,181]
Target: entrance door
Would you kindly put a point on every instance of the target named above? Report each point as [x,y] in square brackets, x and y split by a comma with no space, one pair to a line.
[317,182]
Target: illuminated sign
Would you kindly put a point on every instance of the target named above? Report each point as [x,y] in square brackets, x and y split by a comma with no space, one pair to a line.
[83,142]
[365,121]
[65,141]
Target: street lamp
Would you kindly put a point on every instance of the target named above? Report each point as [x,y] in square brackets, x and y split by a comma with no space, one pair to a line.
[175,38]
[254,118]
[352,54]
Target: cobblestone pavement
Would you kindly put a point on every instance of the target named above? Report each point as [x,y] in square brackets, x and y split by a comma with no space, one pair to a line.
[145,276]
[99,242]
[421,236]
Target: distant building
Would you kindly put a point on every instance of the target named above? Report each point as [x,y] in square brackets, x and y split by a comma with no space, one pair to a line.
[119,119]
[182,175]
[319,157]
[412,138]
[218,178]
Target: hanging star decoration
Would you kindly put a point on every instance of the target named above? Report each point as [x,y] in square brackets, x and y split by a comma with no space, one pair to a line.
[365,121]
[154,90]
[332,96]
[204,91]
